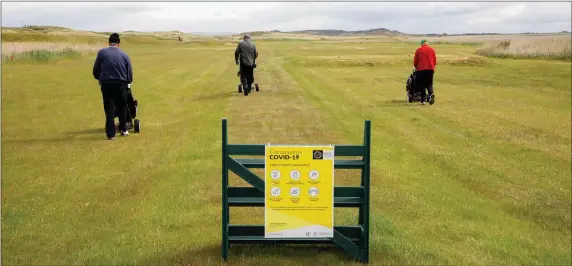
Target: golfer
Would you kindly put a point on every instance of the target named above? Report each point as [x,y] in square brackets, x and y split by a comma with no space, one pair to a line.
[113,69]
[245,55]
[424,62]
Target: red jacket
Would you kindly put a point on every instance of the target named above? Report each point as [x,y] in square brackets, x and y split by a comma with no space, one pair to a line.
[425,58]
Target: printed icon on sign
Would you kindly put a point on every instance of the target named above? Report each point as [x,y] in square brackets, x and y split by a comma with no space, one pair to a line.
[295,174]
[317,154]
[275,174]
[314,174]
[294,192]
[313,191]
[275,191]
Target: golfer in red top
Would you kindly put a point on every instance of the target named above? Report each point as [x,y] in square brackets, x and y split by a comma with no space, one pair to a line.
[424,62]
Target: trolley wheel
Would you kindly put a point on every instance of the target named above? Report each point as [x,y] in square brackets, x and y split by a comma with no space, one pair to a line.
[256,86]
[410,98]
[246,91]
[432,99]
[239,88]
[137,125]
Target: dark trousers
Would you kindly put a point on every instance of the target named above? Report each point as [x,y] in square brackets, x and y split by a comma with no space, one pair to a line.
[424,80]
[246,75]
[114,98]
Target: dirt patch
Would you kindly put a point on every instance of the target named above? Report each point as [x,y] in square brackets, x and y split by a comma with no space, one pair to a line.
[353,57]
[383,60]
[465,61]
[351,60]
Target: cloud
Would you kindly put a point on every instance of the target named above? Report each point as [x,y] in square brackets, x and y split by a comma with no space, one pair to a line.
[87,15]
[409,17]
[540,13]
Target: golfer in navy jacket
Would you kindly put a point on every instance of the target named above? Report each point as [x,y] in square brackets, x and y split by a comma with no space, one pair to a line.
[113,69]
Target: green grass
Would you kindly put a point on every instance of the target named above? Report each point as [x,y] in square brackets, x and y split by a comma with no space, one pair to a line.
[481,177]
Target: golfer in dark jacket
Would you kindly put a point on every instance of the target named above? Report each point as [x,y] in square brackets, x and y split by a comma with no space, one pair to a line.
[245,55]
[113,69]
[424,62]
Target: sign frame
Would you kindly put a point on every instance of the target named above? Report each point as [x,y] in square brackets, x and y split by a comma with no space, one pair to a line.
[353,238]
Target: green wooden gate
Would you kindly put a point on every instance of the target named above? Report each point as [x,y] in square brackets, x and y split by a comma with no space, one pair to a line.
[353,239]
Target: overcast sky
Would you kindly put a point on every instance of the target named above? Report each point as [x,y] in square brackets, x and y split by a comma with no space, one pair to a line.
[408,17]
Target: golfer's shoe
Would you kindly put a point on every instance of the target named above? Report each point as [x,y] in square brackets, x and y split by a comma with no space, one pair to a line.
[432,99]
[111,138]
[125,133]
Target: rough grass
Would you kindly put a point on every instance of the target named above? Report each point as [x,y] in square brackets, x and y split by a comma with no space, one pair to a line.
[481,177]
[42,56]
[557,46]
[59,34]
[44,52]
[87,39]
[546,48]
[9,36]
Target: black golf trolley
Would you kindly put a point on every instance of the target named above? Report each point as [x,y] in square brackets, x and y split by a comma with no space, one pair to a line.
[246,92]
[411,95]
[132,122]
[241,89]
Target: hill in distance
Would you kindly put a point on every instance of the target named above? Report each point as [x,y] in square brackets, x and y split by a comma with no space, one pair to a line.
[375,32]
[332,32]
[189,36]
[44,31]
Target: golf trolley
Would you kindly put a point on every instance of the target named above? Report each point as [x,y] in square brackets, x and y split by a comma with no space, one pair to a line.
[131,109]
[246,92]
[241,89]
[411,94]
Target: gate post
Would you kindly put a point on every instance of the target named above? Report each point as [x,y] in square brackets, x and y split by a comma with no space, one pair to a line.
[225,210]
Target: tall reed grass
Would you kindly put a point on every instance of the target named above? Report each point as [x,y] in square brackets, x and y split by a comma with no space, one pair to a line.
[45,51]
[543,48]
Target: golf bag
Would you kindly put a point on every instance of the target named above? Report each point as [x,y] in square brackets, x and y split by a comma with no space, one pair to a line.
[130,112]
[410,88]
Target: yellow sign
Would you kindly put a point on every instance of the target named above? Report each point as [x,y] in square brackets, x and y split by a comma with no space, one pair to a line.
[299,192]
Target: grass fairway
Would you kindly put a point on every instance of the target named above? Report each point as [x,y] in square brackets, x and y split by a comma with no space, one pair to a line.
[481,177]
